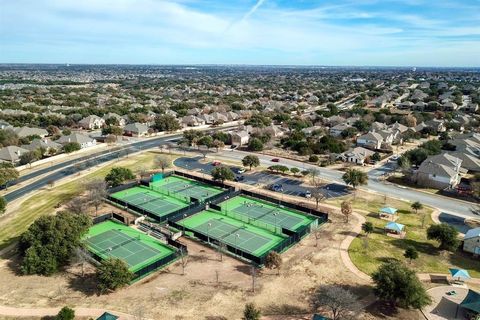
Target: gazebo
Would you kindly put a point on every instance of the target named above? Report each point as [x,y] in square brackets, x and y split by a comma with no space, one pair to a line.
[396,228]
[107,316]
[470,303]
[388,213]
[459,274]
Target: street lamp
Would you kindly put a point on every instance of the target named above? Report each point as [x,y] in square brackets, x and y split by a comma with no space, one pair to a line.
[208,231]
[184,216]
[275,224]
[236,237]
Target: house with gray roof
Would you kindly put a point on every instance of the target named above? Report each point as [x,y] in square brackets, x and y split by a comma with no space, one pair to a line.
[440,172]
[23,132]
[48,145]
[471,241]
[136,129]
[83,140]
[357,155]
[92,122]
[372,140]
[12,154]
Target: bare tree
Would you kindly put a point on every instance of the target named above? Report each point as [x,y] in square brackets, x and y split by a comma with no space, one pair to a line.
[51,183]
[317,233]
[183,260]
[77,205]
[254,277]
[342,303]
[162,162]
[97,191]
[79,257]
[314,173]
[318,196]
[222,248]
[346,208]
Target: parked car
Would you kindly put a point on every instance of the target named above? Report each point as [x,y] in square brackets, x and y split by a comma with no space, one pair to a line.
[395,157]
[239,178]
[241,170]
[307,194]
[275,160]
[276,187]
[216,163]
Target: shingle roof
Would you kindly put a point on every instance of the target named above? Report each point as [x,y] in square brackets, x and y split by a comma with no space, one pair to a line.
[11,153]
[472,233]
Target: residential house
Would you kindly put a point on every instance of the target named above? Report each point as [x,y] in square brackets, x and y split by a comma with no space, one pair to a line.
[23,132]
[206,117]
[121,120]
[469,162]
[388,137]
[437,125]
[194,112]
[46,144]
[450,106]
[357,155]
[136,130]
[240,137]
[379,126]
[83,140]
[12,154]
[91,122]
[439,171]
[219,117]
[372,140]
[471,241]
[337,130]
[192,121]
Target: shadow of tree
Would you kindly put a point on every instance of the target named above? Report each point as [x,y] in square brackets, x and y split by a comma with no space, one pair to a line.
[422,247]
[284,309]
[86,284]
[246,269]
[215,318]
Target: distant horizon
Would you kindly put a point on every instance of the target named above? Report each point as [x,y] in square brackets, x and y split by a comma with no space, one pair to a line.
[397,33]
[237,65]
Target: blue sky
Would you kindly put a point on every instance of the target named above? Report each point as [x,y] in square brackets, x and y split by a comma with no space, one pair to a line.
[354,32]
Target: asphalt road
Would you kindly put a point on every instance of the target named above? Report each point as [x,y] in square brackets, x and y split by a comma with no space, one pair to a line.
[290,186]
[444,204]
[71,167]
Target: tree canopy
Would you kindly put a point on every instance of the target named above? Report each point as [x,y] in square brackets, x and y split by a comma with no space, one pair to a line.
[65,313]
[396,283]
[251,161]
[166,122]
[251,312]
[118,175]
[355,178]
[8,173]
[446,234]
[50,241]
[222,173]
[113,274]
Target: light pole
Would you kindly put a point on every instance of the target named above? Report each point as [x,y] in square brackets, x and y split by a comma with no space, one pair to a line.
[236,237]
[208,231]
[184,216]
[275,223]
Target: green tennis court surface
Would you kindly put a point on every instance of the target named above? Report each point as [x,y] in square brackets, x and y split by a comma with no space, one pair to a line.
[264,214]
[147,199]
[111,239]
[235,233]
[180,187]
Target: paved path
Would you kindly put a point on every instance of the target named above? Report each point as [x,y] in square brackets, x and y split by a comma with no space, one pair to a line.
[354,232]
[44,312]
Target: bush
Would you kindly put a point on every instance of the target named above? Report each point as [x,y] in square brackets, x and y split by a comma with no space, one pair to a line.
[446,234]
[255,144]
[313,158]
[71,147]
[118,175]
[65,313]
[113,274]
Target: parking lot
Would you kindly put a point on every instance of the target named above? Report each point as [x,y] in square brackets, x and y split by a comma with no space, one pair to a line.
[290,186]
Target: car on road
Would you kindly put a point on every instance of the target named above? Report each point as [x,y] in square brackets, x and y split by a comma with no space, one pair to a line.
[275,160]
[216,163]
[394,157]
[276,187]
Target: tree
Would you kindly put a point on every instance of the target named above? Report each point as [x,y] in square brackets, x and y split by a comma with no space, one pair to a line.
[49,242]
[114,130]
[376,156]
[29,157]
[444,233]
[65,313]
[255,144]
[77,205]
[318,196]
[118,175]
[416,206]
[222,173]
[3,205]
[355,178]
[113,274]
[411,253]
[313,173]
[162,162]
[251,312]
[273,261]
[97,192]
[346,208]
[341,302]
[294,170]
[251,161]
[218,144]
[395,283]
[71,147]
[367,227]
[8,173]
[166,122]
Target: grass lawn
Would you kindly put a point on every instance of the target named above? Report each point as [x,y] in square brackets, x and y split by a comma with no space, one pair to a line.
[381,247]
[44,201]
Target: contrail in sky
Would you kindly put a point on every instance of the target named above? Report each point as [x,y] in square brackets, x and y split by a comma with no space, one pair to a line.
[252,10]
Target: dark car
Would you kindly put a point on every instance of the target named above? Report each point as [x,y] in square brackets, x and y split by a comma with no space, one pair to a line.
[239,178]
[275,160]
[276,187]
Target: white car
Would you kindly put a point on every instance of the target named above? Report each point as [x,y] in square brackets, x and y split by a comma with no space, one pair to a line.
[395,158]
[241,170]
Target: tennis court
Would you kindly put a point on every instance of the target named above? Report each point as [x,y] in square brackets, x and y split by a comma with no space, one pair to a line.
[180,187]
[264,214]
[221,229]
[138,250]
[149,200]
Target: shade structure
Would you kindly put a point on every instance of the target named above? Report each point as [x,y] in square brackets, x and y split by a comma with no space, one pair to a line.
[459,273]
[107,316]
[388,210]
[393,226]
[471,301]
